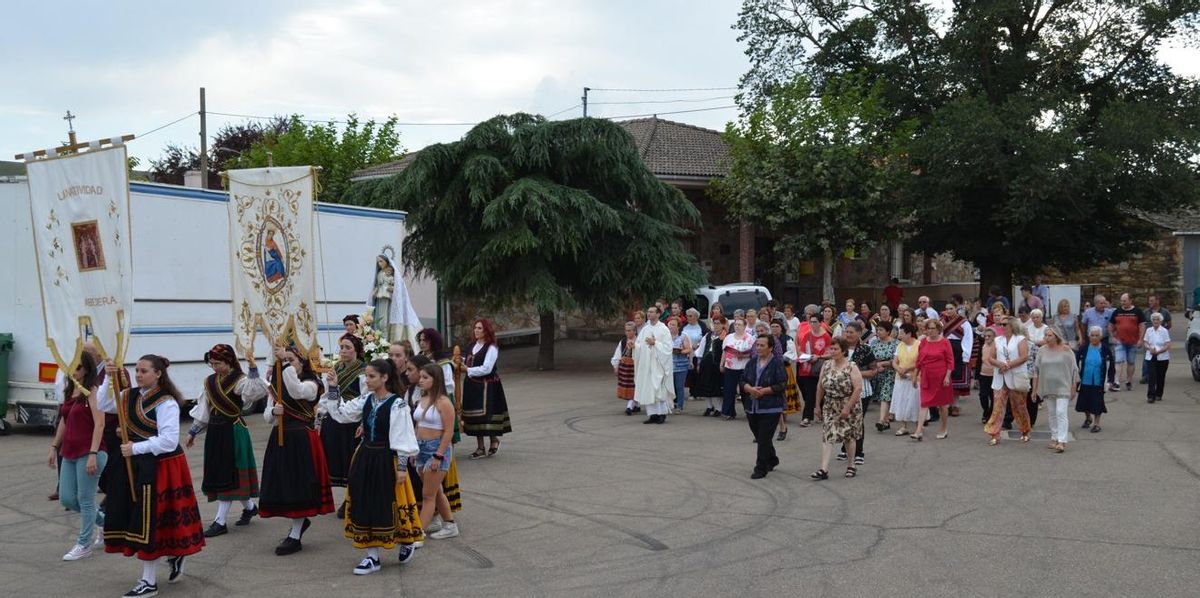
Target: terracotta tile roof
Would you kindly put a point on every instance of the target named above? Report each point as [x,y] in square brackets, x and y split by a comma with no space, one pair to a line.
[667,147]
[671,148]
[385,169]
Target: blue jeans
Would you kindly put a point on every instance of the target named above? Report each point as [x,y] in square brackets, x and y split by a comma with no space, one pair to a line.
[680,388]
[77,492]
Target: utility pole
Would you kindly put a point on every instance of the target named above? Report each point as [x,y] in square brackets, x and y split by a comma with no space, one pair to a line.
[203,143]
[70,118]
[585,92]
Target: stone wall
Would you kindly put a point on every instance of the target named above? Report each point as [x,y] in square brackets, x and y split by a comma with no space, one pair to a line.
[1158,269]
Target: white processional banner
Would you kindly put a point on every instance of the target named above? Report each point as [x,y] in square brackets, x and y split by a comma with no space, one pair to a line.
[79,206]
[271,237]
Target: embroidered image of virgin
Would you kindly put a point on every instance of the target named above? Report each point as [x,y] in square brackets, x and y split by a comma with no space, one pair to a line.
[274,256]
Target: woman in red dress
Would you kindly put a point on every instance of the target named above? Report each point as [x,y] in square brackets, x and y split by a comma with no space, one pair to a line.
[935,362]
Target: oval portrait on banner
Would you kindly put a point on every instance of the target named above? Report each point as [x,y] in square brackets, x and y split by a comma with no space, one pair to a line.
[273,254]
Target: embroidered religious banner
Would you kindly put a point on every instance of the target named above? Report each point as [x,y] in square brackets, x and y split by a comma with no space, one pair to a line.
[80,215]
[271,237]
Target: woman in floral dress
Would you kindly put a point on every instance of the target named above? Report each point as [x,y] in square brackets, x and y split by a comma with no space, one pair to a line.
[838,403]
[884,349]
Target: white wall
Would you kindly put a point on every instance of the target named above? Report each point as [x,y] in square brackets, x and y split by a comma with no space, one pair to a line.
[182,277]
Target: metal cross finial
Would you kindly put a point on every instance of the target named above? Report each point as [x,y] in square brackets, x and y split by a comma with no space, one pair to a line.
[70,118]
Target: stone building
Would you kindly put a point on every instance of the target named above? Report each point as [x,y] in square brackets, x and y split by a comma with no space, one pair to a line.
[1169,266]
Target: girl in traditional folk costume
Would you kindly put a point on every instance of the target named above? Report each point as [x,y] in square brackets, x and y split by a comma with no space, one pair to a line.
[709,379]
[338,431]
[484,407]
[160,519]
[381,508]
[229,470]
[785,350]
[622,363]
[295,480]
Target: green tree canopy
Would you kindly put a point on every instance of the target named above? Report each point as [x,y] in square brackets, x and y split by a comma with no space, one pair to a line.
[1042,123]
[231,141]
[339,152]
[559,214]
[818,170]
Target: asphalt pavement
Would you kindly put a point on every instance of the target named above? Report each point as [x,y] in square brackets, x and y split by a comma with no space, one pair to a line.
[584,501]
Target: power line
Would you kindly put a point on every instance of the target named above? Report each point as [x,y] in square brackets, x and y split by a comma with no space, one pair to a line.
[676,101]
[178,120]
[671,112]
[664,90]
[564,110]
[341,122]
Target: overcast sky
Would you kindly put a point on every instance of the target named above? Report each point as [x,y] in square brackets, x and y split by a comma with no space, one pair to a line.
[130,66]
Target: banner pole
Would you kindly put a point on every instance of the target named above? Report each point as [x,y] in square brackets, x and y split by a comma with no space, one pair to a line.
[124,427]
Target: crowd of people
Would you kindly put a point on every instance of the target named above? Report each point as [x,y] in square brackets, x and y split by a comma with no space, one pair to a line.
[382,429]
[916,362]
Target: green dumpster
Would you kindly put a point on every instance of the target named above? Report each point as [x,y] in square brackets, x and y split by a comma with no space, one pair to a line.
[6,346]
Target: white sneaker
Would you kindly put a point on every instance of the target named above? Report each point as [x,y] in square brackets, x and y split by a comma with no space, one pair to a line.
[98,536]
[449,530]
[434,525]
[78,552]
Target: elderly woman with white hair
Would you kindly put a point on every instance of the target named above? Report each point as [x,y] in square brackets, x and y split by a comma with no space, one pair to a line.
[1093,359]
[1035,333]
[1055,379]
[1157,343]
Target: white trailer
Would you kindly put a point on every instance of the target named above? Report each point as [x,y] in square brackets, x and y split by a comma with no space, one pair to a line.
[181,284]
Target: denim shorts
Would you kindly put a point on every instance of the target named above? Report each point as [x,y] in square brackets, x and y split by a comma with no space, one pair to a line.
[426,450]
[1123,353]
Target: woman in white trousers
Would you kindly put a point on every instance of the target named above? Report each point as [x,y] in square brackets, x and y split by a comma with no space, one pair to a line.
[1056,380]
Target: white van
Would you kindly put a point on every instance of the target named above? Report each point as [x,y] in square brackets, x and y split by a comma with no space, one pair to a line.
[181,284]
[739,295]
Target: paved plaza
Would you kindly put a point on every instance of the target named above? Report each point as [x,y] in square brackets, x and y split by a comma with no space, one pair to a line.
[585,501]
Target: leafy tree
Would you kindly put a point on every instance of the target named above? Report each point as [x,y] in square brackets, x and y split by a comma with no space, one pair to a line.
[231,141]
[339,153]
[560,214]
[818,169]
[173,163]
[234,140]
[1042,124]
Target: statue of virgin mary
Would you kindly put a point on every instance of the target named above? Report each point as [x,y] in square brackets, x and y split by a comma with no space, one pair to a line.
[393,312]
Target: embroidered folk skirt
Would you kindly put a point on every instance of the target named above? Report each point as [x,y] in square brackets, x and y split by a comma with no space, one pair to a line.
[230,472]
[625,379]
[794,404]
[295,480]
[709,379]
[165,520]
[960,376]
[381,511]
[450,486]
[484,407]
[339,442]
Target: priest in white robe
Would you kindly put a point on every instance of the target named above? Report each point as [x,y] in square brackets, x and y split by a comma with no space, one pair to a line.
[654,389]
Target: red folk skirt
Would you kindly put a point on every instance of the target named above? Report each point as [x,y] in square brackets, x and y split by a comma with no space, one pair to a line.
[625,379]
[165,521]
